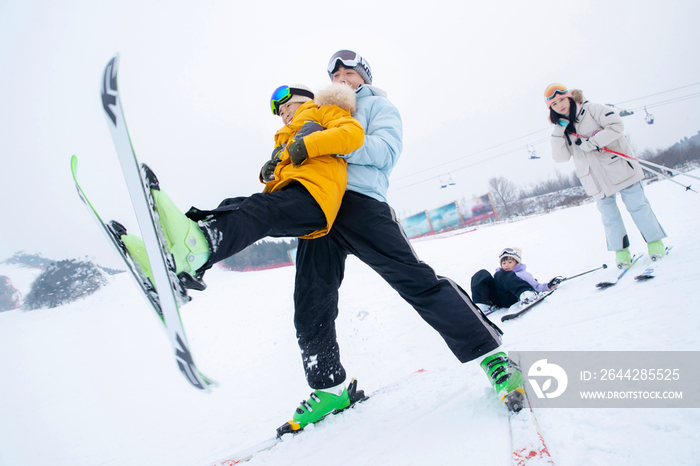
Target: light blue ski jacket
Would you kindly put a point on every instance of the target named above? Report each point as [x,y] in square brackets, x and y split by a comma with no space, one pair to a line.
[369,166]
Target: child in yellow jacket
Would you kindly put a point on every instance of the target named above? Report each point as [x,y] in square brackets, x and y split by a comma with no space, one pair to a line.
[304,186]
[313,130]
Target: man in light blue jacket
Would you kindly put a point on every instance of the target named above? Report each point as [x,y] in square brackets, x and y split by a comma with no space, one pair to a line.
[367,227]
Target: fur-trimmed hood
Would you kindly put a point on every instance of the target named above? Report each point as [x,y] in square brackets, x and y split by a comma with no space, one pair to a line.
[578,96]
[338,94]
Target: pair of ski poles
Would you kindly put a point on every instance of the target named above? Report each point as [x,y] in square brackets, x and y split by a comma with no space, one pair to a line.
[557,280]
[649,166]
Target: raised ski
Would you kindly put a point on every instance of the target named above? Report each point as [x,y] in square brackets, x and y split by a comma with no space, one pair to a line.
[162,267]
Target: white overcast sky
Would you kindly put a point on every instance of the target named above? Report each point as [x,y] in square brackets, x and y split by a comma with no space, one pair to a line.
[195,79]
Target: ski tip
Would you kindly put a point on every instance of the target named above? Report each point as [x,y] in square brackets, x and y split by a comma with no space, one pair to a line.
[603,285]
[74,165]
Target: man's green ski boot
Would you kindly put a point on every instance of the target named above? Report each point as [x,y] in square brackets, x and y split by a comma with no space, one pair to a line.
[506,379]
[184,239]
[319,405]
[137,250]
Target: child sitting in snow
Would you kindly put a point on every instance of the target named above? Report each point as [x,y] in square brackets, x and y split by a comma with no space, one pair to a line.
[509,284]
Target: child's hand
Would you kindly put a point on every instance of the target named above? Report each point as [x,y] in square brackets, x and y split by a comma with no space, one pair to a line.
[268,170]
[554,283]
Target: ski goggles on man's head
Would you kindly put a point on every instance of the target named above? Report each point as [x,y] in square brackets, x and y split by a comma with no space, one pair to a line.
[283,94]
[553,90]
[509,252]
[349,59]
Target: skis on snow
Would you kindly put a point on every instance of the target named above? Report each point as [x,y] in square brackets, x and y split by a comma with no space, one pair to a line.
[285,431]
[603,285]
[518,309]
[648,274]
[164,302]
[526,440]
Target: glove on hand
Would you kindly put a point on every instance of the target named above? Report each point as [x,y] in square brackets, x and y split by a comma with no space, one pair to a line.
[267,173]
[268,170]
[553,283]
[297,152]
[308,128]
[588,146]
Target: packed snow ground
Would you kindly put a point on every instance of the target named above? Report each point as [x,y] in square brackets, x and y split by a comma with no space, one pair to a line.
[94,383]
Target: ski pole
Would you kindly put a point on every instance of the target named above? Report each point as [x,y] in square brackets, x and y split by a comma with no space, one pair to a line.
[557,280]
[644,162]
[663,168]
[664,175]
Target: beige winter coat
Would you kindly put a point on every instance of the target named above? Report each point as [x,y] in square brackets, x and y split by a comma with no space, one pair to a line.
[601,173]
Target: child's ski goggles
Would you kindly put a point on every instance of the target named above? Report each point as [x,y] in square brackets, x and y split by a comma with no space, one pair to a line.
[283,94]
[509,252]
[554,89]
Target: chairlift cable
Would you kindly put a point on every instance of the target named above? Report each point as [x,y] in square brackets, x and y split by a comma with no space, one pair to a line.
[658,93]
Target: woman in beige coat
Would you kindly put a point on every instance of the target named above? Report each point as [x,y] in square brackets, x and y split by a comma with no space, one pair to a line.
[602,173]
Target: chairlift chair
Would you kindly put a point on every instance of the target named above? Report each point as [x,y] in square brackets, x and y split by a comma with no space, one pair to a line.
[649,118]
[533,152]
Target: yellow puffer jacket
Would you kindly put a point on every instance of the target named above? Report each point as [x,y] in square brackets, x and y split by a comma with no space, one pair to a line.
[323,174]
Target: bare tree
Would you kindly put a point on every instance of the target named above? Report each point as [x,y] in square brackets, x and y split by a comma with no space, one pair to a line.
[505,195]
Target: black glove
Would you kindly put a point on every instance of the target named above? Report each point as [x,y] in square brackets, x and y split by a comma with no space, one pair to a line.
[587,145]
[267,173]
[268,170]
[297,152]
[554,282]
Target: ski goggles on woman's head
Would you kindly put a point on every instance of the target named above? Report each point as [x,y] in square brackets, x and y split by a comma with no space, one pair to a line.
[553,90]
[283,94]
[509,252]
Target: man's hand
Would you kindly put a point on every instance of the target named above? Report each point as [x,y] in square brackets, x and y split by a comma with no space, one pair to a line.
[297,152]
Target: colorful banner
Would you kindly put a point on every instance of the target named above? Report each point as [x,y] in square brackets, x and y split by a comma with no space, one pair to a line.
[445,218]
[417,225]
[448,217]
[477,209]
